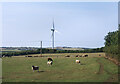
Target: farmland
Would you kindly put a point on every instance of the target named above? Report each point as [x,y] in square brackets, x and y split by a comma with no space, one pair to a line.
[93,68]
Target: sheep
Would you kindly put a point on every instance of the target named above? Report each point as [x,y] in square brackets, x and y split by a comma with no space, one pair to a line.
[35,56]
[50,59]
[78,61]
[85,56]
[3,56]
[77,56]
[35,68]
[29,56]
[49,63]
[67,56]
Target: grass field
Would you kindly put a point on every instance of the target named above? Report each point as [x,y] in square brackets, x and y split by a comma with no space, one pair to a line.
[91,69]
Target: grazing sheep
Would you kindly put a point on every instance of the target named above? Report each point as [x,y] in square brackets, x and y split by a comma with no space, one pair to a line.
[35,68]
[77,55]
[35,56]
[3,56]
[77,61]
[49,63]
[67,56]
[50,59]
[85,55]
[29,56]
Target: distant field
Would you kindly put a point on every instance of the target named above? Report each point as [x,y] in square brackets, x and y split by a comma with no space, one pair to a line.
[71,48]
[10,50]
[92,69]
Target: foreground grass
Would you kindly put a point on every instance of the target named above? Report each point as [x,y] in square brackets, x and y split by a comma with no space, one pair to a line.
[63,69]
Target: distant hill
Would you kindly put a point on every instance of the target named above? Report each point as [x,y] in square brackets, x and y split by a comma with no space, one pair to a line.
[5,49]
[70,48]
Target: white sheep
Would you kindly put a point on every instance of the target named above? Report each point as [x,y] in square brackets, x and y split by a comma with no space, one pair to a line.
[77,61]
[49,62]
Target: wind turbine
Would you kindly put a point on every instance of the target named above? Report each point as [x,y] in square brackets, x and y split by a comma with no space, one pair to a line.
[53,30]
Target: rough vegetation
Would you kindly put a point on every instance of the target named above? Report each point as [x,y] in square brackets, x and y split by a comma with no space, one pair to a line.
[111,44]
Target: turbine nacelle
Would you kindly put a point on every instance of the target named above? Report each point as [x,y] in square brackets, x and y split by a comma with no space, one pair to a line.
[52,29]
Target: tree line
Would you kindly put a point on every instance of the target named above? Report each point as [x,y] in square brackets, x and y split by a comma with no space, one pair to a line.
[45,50]
[111,44]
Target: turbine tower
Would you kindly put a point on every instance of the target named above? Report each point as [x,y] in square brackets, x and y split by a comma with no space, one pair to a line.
[53,29]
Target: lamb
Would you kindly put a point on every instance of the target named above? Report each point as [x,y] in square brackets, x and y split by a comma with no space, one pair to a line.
[78,61]
[35,68]
[49,63]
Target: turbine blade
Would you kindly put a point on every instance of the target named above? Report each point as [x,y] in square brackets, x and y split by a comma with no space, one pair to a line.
[53,24]
[57,31]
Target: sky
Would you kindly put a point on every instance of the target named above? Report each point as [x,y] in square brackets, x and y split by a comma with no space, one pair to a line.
[79,24]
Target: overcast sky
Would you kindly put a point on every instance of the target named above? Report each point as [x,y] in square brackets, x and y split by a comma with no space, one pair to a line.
[80,24]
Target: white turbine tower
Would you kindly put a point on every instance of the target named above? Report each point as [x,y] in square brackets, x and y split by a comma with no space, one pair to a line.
[53,29]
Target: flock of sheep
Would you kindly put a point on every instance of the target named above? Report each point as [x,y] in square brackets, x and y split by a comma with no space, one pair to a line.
[50,62]
[84,55]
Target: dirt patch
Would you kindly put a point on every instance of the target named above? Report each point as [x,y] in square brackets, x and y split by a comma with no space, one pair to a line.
[112,78]
[101,69]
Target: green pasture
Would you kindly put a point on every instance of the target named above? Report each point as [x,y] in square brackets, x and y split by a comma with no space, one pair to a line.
[91,69]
